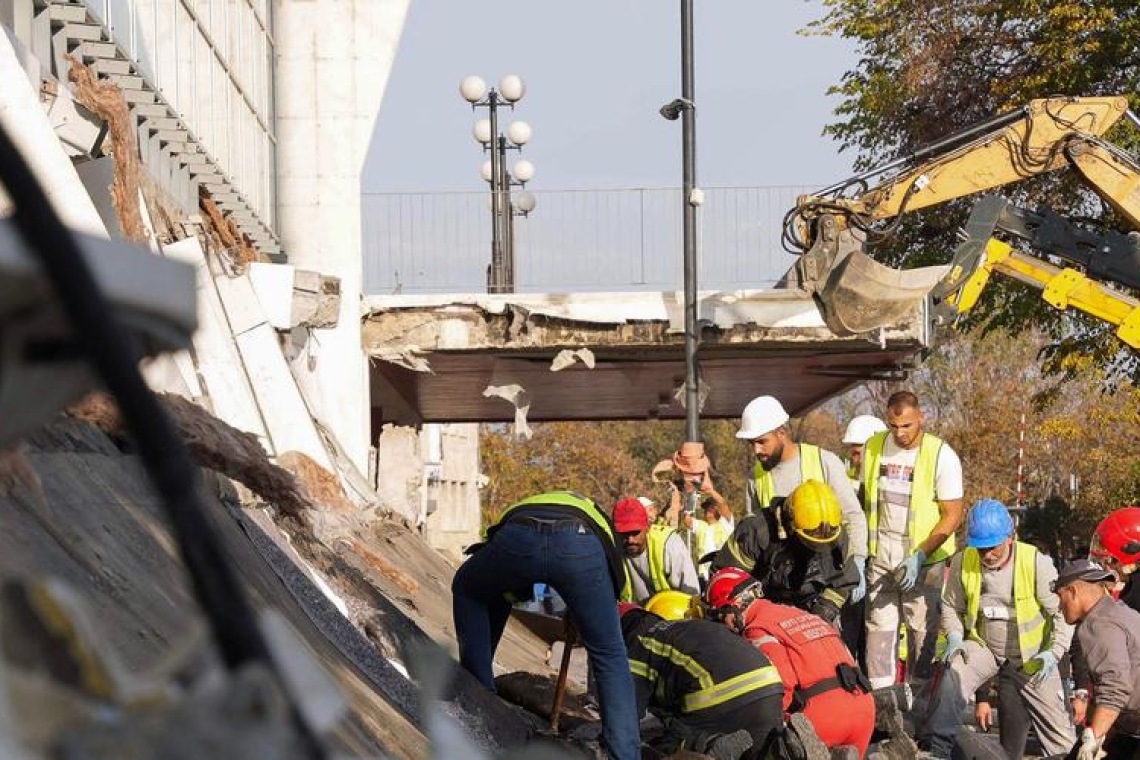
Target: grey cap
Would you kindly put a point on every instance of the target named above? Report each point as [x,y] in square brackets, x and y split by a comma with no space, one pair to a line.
[1082,570]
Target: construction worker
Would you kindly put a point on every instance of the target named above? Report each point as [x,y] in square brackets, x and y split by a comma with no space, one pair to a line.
[1116,546]
[855,436]
[1001,620]
[820,677]
[913,496]
[805,563]
[711,529]
[656,557]
[565,540]
[859,429]
[1109,635]
[782,464]
[706,683]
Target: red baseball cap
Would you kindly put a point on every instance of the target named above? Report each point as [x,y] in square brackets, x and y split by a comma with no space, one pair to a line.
[630,516]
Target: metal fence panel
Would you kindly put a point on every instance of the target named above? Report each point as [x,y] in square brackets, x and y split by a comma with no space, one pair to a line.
[575,241]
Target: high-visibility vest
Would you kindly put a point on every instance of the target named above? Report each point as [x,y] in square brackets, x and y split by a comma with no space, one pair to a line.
[923,514]
[1032,625]
[655,539]
[811,468]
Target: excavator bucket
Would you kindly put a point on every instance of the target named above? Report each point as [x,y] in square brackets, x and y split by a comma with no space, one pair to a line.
[860,294]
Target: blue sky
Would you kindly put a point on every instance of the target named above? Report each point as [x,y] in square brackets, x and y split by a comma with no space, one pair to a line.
[596,73]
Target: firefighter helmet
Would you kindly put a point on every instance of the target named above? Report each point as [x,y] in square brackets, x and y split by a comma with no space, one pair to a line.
[1118,537]
[671,605]
[816,517]
[726,585]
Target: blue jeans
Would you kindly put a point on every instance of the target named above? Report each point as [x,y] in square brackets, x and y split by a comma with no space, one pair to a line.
[572,560]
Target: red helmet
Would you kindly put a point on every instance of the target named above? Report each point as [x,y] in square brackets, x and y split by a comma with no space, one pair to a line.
[624,607]
[1118,537]
[727,585]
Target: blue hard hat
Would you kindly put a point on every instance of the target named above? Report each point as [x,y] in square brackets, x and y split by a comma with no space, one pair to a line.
[988,524]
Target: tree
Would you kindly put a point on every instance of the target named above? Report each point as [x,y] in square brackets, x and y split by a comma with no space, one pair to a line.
[930,67]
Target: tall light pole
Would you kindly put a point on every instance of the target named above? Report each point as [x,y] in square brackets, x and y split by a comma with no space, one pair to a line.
[685,108]
[501,273]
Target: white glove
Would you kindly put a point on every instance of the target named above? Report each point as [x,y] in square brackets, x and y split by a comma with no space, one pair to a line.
[1090,746]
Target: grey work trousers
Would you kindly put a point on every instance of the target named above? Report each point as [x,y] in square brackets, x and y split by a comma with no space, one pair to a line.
[887,609]
[1044,704]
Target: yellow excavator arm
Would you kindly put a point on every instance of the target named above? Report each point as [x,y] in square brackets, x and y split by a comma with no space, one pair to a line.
[831,228]
[1105,256]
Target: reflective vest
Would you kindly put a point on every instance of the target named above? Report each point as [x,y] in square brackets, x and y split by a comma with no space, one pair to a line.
[1032,626]
[811,468]
[923,514]
[655,539]
[578,506]
[804,648]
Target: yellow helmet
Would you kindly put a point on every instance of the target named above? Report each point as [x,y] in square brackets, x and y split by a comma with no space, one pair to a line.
[671,605]
[816,516]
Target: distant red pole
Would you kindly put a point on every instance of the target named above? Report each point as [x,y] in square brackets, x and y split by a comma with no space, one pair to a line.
[1021,463]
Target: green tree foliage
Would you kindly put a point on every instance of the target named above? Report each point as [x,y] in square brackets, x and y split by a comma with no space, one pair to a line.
[928,68]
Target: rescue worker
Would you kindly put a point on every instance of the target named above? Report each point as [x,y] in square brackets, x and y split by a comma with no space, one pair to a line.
[782,464]
[1109,634]
[656,557]
[704,681]
[820,677]
[913,496]
[805,564]
[1116,546]
[859,429]
[855,436]
[567,541]
[1001,620]
[711,530]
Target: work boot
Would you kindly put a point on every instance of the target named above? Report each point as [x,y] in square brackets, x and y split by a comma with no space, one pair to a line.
[729,746]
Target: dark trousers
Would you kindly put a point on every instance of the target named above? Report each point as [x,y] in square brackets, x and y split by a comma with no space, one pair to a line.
[854,632]
[760,718]
[571,559]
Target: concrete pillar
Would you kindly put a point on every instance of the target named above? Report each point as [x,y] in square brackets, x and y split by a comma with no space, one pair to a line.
[333,62]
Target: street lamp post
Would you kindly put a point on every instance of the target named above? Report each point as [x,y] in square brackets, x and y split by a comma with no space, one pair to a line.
[501,273]
[685,108]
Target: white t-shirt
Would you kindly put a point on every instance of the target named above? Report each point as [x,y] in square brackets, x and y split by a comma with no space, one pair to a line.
[896,476]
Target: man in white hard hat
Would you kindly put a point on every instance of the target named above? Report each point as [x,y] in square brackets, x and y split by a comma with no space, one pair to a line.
[859,429]
[782,464]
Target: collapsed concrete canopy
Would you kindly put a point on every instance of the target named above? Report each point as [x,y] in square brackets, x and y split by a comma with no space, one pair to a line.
[435,356]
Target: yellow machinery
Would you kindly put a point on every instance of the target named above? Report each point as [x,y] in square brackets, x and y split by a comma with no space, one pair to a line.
[857,294]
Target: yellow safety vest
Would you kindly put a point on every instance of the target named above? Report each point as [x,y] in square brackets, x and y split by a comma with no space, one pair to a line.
[565,499]
[923,514]
[655,547]
[1032,626]
[811,468]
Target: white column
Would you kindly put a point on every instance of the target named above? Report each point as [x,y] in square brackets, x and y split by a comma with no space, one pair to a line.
[333,62]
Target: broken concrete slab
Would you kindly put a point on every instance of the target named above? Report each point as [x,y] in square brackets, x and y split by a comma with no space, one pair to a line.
[752,342]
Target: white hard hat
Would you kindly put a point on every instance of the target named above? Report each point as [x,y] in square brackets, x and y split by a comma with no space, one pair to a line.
[762,415]
[860,428]
[646,502]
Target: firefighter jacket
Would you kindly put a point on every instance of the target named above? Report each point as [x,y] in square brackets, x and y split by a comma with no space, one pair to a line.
[687,666]
[806,650]
[790,572]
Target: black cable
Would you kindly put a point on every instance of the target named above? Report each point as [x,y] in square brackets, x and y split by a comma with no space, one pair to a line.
[171,470]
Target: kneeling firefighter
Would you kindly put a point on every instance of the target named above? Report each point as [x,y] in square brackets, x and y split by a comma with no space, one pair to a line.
[820,677]
[706,684]
[799,554]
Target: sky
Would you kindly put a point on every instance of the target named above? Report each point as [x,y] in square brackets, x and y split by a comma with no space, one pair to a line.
[596,72]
